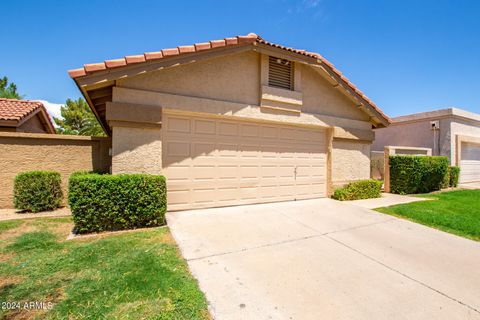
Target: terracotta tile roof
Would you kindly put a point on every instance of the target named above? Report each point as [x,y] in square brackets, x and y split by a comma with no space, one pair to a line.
[88,69]
[17,110]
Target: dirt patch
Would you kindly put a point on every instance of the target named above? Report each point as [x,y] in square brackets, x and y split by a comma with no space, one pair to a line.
[9,281]
[13,233]
[61,229]
[12,214]
[4,257]
[24,314]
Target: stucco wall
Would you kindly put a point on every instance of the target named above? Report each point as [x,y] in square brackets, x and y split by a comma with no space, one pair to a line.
[136,150]
[21,152]
[231,86]
[419,134]
[415,134]
[234,77]
[320,98]
[350,161]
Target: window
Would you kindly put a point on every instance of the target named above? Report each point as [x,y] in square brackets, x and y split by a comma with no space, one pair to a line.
[280,73]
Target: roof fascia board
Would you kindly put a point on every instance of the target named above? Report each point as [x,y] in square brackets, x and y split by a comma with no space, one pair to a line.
[158,64]
[9,123]
[83,90]
[47,122]
[371,110]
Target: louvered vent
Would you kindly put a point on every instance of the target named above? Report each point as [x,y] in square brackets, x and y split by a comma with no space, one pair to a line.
[280,73]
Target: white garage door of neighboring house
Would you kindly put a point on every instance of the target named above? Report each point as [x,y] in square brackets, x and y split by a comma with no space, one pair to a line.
[212,162]
[470,162]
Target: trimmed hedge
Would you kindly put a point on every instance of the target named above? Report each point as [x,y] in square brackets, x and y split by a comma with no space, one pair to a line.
[363,189]
[417,174]
[454,175]
[446,179]
[37,191]
[116,202]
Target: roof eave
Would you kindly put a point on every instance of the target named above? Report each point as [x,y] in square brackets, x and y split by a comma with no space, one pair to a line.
[106,73]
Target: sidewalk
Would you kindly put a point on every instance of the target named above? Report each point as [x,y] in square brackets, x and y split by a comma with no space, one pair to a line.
[387,199]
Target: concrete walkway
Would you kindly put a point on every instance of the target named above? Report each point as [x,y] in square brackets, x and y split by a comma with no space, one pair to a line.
[387,199]
[323,259]
[472,185]
[13,214]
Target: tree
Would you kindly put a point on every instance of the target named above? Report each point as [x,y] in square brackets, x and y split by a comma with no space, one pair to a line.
[78,119]
[8,90]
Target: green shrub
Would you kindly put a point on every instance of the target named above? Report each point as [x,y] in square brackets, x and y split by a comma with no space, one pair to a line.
[446,179]
[454,175]
[417,174]
[37,191]
[115,202]
[363,189]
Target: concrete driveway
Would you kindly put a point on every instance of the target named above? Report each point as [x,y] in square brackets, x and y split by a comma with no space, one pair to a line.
[322,259]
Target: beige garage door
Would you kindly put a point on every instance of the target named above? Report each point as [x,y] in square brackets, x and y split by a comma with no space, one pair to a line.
[211,162]
[470,163]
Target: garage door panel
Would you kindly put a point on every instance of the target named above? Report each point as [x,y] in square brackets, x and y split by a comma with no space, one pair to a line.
[216,162]
[470,163]
[252,171]
[203,148]
[178,148]
[227,171]
[207,172]
[206,127]
[269,132]
[227,128]
[248,193]
[179,124]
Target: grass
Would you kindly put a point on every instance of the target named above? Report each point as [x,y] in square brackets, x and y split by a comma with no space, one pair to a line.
[10,224]
[457,212]
[134,275]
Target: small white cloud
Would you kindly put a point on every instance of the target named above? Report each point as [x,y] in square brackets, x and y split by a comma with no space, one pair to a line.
[52,108]
[311,3]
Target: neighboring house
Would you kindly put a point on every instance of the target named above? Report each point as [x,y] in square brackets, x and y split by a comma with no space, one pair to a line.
[233,121]
[451,132]
[24,116]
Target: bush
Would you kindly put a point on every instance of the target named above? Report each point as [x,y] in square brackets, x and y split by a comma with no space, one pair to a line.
[116,202]
[454,174]
[446,179]
[37,191]
[417,174]
[363,189]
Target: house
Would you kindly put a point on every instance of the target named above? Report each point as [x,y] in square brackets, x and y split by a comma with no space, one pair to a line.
[453,132]
[234,121]
[24,116]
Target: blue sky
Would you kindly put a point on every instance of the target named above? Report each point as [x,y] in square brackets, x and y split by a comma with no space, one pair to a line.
[407,56]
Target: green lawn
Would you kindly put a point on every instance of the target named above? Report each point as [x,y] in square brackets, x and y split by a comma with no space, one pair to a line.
[135,275]
[456,212]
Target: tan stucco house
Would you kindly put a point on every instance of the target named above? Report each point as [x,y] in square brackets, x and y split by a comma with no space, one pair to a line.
[452,132]
[234,121]
[24,116]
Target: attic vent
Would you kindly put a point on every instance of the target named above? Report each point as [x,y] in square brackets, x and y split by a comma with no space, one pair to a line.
[280,73]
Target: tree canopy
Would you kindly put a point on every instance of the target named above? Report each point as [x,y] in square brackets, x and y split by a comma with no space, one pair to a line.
[8,90]
[78,119]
